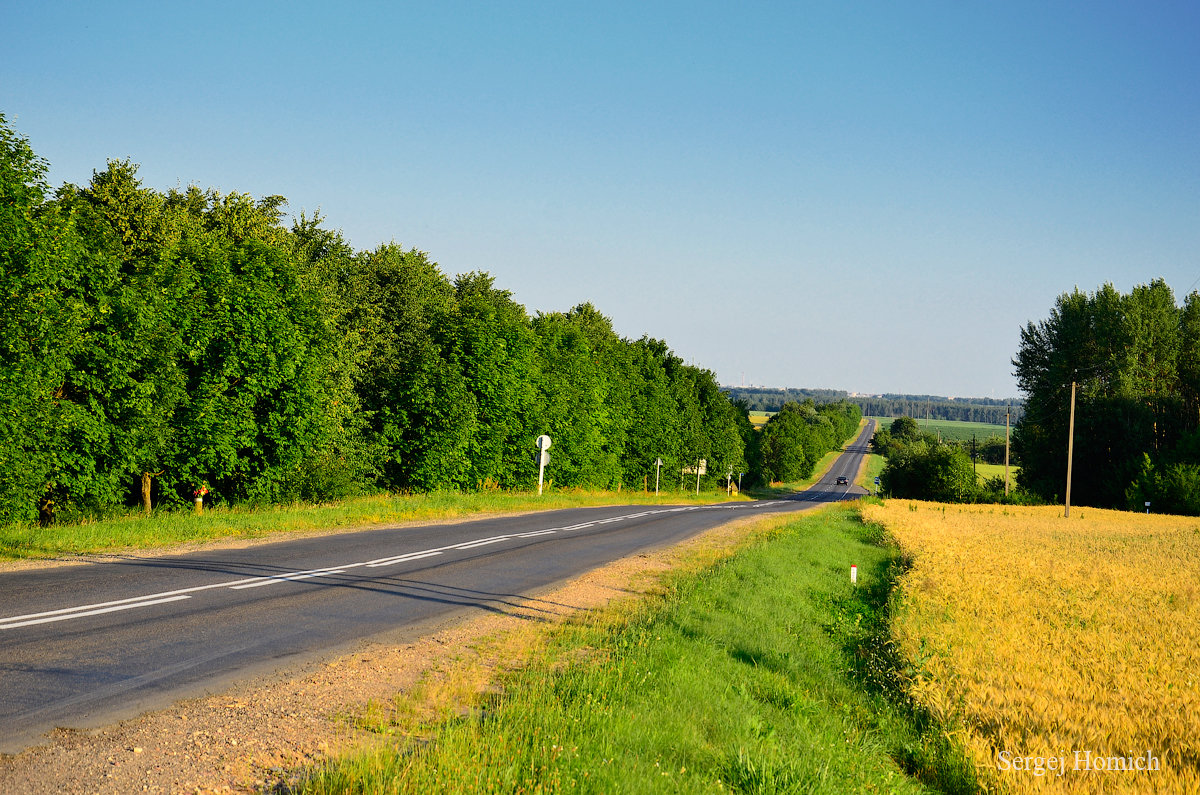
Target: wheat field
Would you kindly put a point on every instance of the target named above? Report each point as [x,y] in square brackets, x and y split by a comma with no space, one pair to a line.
[1066,651]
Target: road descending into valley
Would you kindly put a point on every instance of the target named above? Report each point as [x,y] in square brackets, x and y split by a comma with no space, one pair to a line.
[82,646]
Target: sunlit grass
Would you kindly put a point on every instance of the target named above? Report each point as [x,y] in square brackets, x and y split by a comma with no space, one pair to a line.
[874,466]
[168,528]
[753,674]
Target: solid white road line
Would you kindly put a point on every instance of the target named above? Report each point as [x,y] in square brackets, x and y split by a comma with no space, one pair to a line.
[81,611]
[12,623]
[287,578]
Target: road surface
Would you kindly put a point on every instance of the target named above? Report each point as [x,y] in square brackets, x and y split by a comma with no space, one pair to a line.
[85,646]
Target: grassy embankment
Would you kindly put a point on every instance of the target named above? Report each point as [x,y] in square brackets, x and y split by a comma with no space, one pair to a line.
[1049,638]
[171,528]
[761,672]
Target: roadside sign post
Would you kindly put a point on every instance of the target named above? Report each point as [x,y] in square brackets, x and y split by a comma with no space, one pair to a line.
[657,471]
[876,485]
[543,444]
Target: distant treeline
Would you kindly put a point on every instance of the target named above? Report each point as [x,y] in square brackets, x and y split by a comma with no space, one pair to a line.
[890,405]
[154,346]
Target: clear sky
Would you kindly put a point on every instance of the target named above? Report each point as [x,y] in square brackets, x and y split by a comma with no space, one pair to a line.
[864,196]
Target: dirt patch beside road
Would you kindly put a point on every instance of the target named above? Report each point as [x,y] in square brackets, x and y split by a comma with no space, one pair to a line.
[260,732]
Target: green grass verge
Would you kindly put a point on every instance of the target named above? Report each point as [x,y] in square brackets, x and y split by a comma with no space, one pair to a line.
[764,673]
[875,464]
[167,528]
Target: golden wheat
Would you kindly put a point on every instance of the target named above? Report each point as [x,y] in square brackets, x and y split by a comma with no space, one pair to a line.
[1052,638]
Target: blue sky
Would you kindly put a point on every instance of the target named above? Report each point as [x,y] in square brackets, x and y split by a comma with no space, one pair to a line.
[865,196]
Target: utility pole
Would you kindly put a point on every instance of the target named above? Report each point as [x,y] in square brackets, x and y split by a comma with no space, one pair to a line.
[1070,451]
[1007,414]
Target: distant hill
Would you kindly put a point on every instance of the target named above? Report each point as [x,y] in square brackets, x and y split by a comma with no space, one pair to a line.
[934,407]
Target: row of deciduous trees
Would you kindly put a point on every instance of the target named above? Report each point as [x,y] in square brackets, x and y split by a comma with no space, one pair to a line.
[1135,358]
[159,343]
[795,438]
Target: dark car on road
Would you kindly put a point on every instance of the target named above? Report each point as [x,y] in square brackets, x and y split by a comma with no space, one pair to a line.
[841,481]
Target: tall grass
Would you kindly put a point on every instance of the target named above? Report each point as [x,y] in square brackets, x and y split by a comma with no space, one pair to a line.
[168,528]
[750,675]
[1048,638]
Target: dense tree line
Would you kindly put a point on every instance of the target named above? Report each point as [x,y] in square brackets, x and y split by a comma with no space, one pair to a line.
[1135,358]
[157,344]
[798,435]
[932,407]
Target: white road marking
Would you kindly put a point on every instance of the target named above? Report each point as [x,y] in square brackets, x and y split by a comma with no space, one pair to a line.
[244,583]
[13,623]
[286,578]
[402,558]
[482,542]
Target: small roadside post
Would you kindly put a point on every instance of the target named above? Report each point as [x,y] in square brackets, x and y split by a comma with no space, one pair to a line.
[876,485]
[657,472]
[1147,506]
[543,444]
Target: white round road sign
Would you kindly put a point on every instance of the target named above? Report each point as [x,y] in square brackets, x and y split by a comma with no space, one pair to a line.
[543,442]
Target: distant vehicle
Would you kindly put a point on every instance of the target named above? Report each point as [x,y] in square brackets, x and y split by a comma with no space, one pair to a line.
[841,481]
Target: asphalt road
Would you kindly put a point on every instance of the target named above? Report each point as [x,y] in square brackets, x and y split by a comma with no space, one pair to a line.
[84,646]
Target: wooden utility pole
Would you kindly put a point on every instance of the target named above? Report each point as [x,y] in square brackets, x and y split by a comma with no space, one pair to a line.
[1070,450]
[1007,414]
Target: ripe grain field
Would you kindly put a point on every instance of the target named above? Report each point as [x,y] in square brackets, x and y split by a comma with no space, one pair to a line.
[1060,646]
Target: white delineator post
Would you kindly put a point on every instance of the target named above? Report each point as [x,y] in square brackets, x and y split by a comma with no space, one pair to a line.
[543,444]
[854,575]
[657,471]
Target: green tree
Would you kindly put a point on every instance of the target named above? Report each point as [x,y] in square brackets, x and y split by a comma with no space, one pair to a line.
[422,413]
[497,350]
[41,317]
[1129,357]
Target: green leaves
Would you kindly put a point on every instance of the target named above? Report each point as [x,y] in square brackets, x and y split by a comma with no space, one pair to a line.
[795,438]
[1135,359]
[190,335]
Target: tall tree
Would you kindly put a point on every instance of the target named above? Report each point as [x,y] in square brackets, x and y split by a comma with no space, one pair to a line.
[41,316]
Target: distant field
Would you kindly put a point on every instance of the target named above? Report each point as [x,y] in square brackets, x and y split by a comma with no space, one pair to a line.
[759,418]
[950,429]
[985,471]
